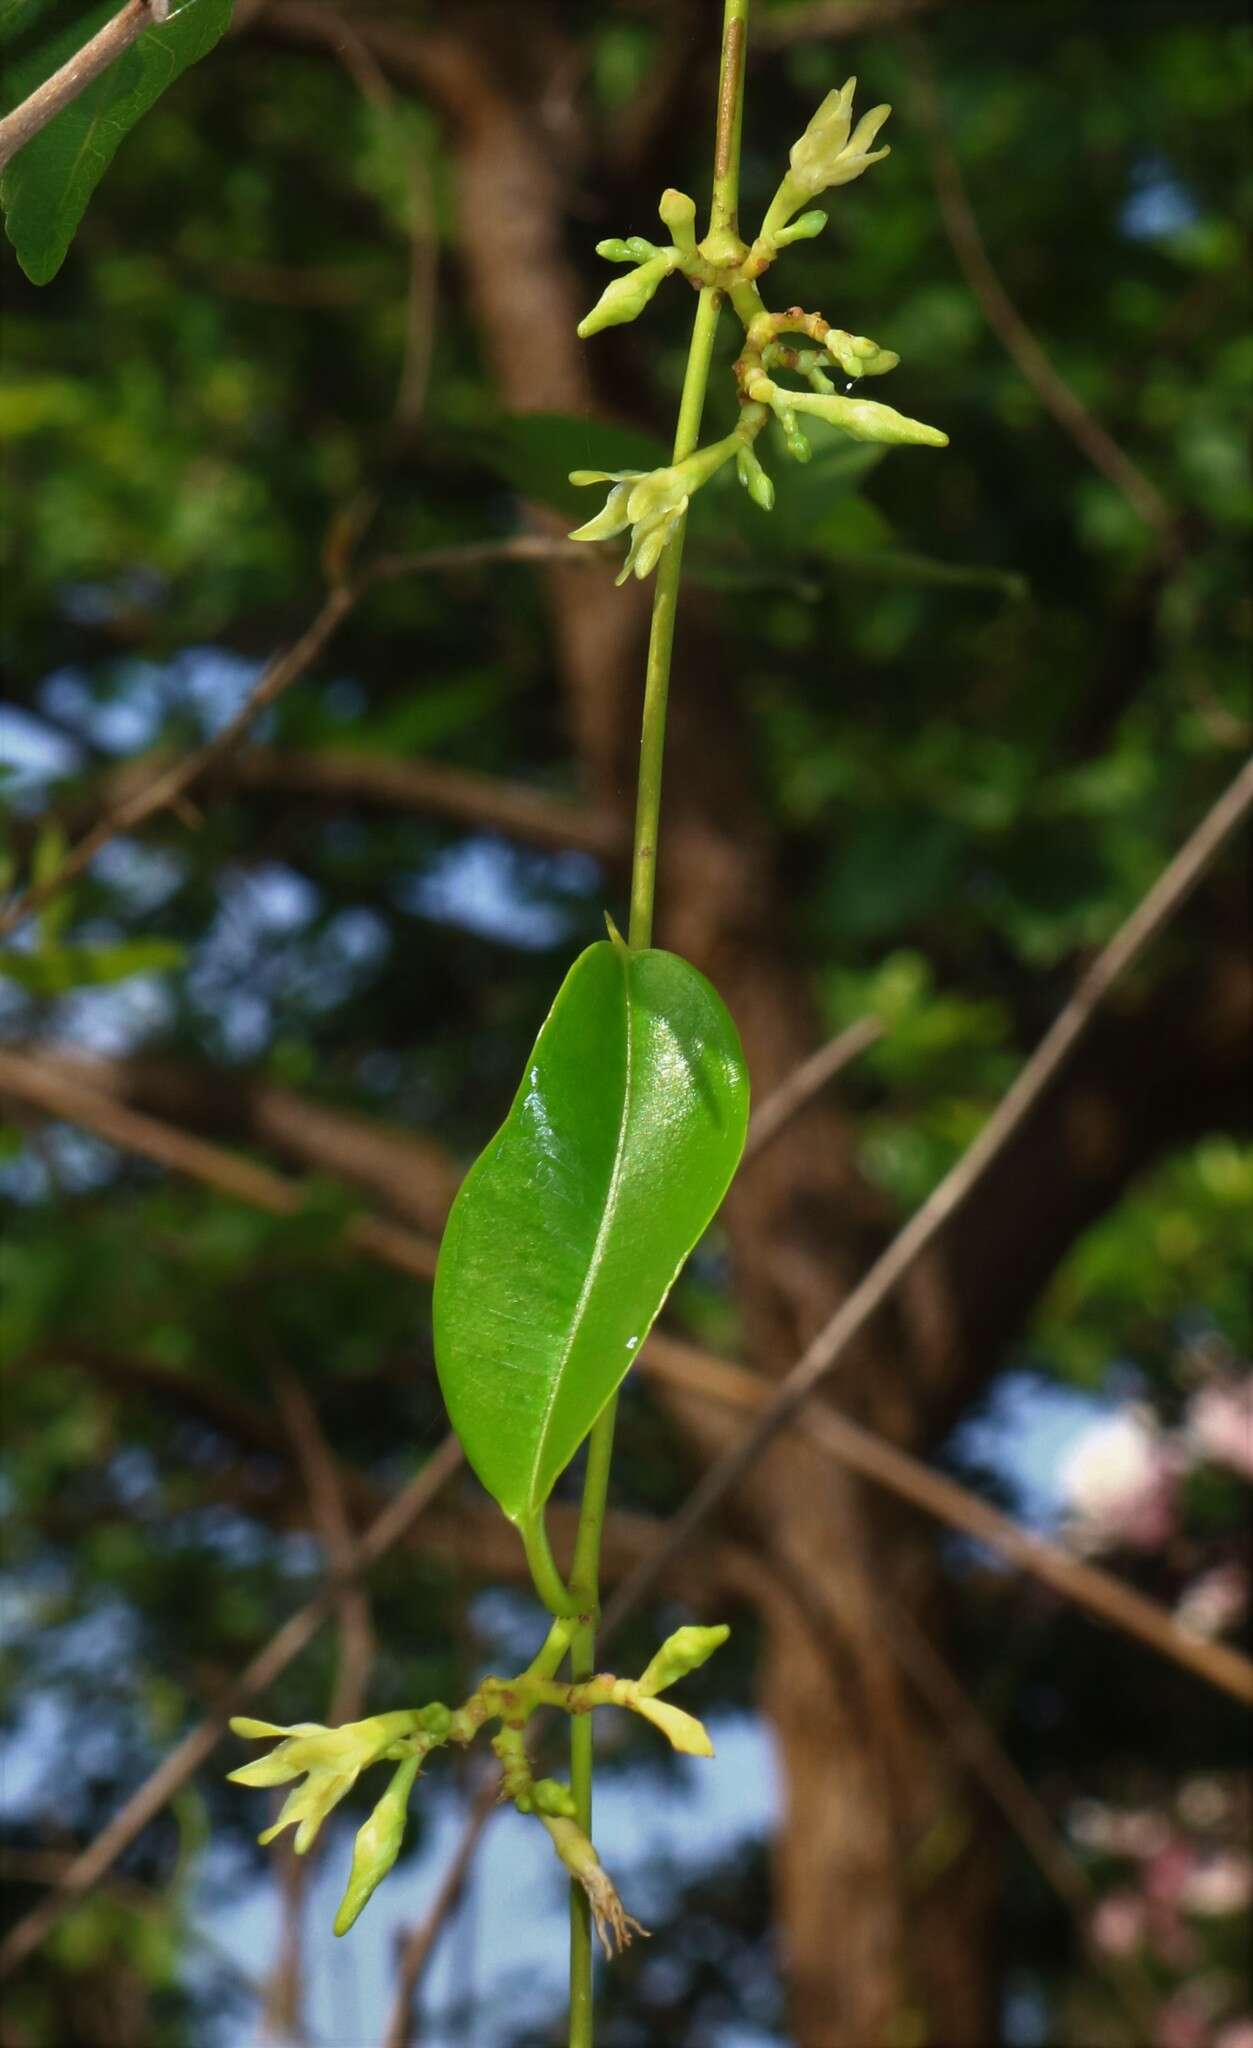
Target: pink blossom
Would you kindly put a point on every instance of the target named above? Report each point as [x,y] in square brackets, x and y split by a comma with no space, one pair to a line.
[1183,2022]
[1168,1872]
[1221,1884]
[1120,1480]
[1216,1601]
[1118,1924]
[1236,2034]
[1219,1422]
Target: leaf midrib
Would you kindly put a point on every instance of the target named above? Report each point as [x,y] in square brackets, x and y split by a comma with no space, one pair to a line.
[589,1278]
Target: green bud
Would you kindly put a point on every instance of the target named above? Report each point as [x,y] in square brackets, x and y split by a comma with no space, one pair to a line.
[615,251]
[686,1650]
[642,251]
[858,356]
[802,230]
[435,1719]
[863,420]
[761,491]
[626,298]
[377,1845]
[679,214]
[550,1796]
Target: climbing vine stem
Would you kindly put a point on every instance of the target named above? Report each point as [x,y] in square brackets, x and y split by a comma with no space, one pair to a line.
[585,1577]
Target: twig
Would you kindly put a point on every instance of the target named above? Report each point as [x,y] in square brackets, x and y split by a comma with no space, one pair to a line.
[284,670]
[74,76]
[92,1863]
[436,788]
[320,1472]
[419,1944]
[1072,415]
[830,1346]
[59,1095]
[806,1081]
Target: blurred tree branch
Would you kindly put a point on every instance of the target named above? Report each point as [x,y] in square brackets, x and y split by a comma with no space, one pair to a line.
[76,74]
[168,788]
[1091,438]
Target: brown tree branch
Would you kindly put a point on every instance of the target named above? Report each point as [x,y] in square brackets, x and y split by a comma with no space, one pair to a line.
[56,1094]
[1176,882]
[92,1863]
[321,1473]
[167,788]
[1092,439]
[411,1173]
[806,1081]
[434,788]
[76,74]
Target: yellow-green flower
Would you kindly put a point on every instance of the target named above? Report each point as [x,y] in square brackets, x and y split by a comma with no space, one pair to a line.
[330,1760]
[830,152]
[651,502]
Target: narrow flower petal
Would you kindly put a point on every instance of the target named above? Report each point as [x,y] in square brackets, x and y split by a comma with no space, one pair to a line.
[274,1769]
[610,521]
[683,1731]
[606,476]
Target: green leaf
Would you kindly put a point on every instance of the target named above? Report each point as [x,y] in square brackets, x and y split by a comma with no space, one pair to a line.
[58,970]
[45,189]
[571,1227]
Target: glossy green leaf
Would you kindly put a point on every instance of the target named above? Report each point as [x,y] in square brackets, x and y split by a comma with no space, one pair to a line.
[45,188]
[569,1230]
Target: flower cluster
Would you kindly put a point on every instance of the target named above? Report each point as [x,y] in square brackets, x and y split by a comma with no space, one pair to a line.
[653,504]
[330,1760]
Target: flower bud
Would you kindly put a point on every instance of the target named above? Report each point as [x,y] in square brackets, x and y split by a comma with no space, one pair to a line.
[858,356]
[761,491]
[377,1845]
[863,420]
[679,214]
[626,298]
[802,230]
[550,1796]
[688,1648]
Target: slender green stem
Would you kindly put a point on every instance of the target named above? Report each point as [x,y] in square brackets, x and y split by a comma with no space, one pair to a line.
[726,192]
[584,1578]
[547,1580]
